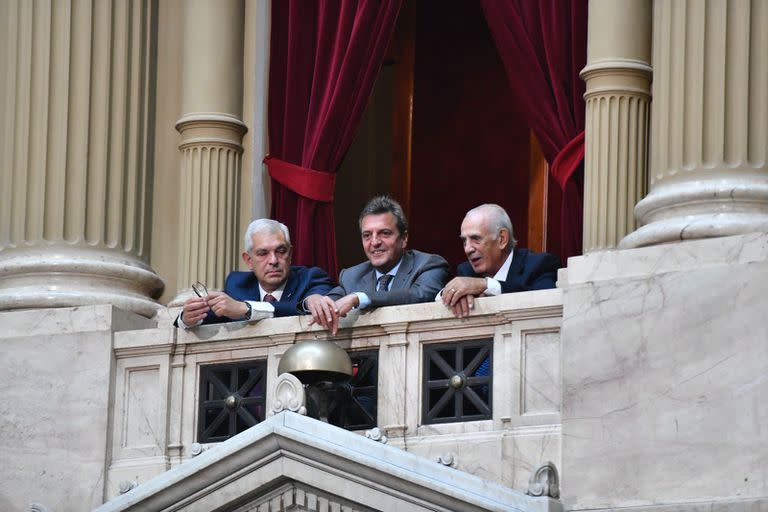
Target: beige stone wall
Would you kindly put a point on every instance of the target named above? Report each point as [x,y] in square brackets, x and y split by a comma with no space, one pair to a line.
[166,191]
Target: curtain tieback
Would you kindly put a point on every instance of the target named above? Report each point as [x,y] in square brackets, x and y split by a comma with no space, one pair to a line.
[306,182]
[568,159]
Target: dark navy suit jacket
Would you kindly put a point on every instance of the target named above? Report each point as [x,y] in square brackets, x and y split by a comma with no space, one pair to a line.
[302,282]
[528,271]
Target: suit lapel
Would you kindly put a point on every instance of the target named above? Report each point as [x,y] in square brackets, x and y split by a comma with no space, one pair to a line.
[518,263]
[290,286]
[403,272]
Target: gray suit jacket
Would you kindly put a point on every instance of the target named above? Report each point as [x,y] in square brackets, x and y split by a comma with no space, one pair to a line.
[420,276]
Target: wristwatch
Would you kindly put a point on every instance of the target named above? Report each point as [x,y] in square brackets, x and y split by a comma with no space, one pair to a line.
[250,310]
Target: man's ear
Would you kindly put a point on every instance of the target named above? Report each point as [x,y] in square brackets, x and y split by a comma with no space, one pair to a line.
[405,239]
[503,238]
[247,259]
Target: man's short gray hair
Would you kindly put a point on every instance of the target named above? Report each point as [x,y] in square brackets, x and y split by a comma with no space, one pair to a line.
[385,204]
[265,226]
[498,219]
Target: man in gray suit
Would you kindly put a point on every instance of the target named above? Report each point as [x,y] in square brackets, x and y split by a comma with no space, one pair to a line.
[391,275]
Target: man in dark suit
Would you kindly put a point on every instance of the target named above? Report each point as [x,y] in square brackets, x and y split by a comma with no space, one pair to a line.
[391,275]
[272,288]
[494,265]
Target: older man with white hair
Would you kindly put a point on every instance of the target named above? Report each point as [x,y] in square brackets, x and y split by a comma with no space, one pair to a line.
[272,287]
[494,265]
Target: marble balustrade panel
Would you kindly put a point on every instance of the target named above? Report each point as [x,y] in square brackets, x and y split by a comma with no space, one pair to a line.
[527,322]
[142,379]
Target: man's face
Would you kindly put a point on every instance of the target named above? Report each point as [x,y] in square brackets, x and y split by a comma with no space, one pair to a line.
[270,259]
[382,241]
[485,254]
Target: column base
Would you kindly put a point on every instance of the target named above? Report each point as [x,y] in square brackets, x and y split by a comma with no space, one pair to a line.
[702,207]
[58,276]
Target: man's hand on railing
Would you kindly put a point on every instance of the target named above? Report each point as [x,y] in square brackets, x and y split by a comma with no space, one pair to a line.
[460,292]
[324,312]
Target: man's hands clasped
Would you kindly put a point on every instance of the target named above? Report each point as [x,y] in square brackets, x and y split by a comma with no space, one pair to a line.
[460,292]
[196,308]
[326,312]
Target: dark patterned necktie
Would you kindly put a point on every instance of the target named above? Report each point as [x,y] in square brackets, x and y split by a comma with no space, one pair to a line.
[384,282]
[269,298]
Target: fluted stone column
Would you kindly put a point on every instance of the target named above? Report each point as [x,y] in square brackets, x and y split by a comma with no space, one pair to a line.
[709,131]
[618,80]
[76,100]
[211,143]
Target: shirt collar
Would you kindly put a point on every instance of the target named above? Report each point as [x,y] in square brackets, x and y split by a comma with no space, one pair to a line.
[277,294]
[392,271]
[501,275]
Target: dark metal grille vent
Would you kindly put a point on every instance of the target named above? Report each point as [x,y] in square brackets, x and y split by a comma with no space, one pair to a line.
[352,405]
[457,381]
[231,399]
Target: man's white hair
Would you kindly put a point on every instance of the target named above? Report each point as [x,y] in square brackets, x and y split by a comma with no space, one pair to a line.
[265,226]
[498,219]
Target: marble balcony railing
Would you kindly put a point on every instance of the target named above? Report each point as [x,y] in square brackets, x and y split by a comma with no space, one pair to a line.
[157,383]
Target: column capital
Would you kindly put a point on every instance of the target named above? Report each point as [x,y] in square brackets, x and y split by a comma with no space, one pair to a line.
[211,128]
[596,67]
[210,120]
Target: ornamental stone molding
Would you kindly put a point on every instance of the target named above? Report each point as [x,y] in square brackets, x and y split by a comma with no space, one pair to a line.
[448,459]
[376,434]
[320,467]
[289,395]
[544,481]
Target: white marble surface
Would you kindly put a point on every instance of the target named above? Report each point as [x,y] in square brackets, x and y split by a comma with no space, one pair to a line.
[608,265]
[55,388]
[665,375]
[155,383]
[530,304]
[343,464]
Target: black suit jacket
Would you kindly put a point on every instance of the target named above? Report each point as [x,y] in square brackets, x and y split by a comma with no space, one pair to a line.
[301,282]
[420,276]
[528,271]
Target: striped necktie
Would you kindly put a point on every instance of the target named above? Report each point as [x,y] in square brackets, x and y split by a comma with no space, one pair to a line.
[384,281]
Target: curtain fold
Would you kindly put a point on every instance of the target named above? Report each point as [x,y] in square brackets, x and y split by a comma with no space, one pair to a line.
[543,46]
[325,56]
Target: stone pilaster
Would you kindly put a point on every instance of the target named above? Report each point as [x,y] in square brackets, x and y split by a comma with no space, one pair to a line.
[77,99]
[211,143]
[618,80]
[709,131]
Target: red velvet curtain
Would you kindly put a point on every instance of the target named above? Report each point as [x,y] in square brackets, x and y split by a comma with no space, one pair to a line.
[325,56]
[543,45]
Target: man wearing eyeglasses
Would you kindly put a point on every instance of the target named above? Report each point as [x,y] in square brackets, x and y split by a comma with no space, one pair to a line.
[272,288]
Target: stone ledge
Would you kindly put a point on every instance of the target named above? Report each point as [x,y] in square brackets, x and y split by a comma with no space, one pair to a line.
[493,310]
[660,259]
